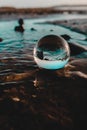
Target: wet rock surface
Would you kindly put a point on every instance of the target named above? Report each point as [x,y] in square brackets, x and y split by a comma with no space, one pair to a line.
[35,98]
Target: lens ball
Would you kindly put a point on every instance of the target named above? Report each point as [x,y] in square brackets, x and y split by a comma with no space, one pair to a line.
[51,52]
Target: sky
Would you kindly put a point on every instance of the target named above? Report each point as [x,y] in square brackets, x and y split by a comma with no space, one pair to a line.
[39,3]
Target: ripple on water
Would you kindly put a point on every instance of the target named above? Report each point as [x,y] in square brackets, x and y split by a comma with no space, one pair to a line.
[16,49]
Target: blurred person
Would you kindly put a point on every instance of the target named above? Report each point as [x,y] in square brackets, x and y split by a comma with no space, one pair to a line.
[20,28]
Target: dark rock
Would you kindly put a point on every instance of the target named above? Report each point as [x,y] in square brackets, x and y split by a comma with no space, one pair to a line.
[66,37]
[51,30]
[33,29]
[1,39]
[76,49]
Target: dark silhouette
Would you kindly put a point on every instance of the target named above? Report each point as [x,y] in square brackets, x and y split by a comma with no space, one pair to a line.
[20,27]
[33,29]
[40,55]
[1,39]
[75,48]
[66,37]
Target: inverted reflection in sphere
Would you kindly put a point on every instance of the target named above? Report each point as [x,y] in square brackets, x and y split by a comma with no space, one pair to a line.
[51,52]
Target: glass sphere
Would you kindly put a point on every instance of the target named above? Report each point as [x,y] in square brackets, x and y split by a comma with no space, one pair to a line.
[51,52]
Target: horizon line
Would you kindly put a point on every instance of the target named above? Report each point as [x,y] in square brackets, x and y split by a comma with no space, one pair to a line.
[44,6]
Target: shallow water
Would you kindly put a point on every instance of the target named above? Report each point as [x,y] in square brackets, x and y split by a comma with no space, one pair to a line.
[16,49]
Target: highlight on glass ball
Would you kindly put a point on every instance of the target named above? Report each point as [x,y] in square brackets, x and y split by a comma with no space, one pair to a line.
[51,52]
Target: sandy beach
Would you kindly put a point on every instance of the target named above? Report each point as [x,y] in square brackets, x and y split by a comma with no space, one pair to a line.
[38,99]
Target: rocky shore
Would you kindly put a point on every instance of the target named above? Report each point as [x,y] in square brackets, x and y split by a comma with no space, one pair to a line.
[41,99]
[32,98]
[78,25]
